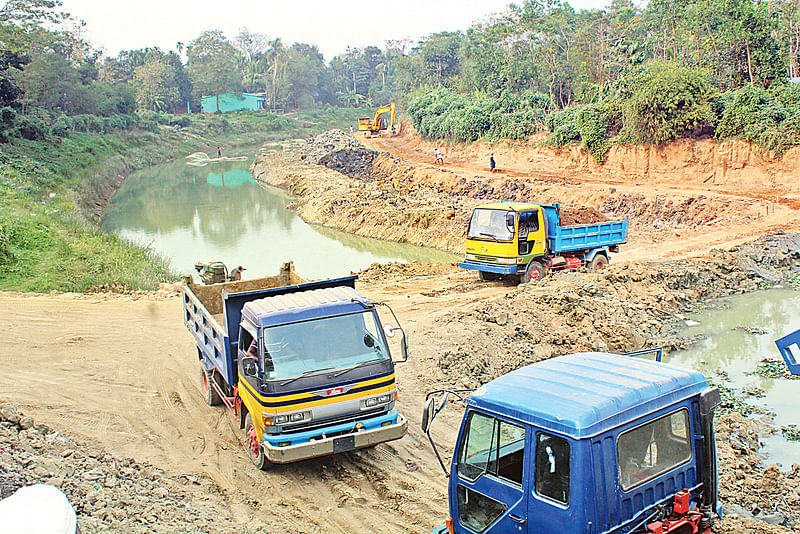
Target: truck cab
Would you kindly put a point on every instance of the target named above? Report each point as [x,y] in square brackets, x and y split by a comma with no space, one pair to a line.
[314,365]
[527,241]
[586,443]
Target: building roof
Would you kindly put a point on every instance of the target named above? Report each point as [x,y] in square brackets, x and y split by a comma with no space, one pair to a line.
[585,394]
[303,305]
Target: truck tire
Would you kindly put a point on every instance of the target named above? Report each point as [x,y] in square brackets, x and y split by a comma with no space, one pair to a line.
[210,394]
[488,277]
[254,449]
[535,272]
[598,263]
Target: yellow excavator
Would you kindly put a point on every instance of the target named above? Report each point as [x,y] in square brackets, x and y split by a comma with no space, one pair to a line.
[377,124]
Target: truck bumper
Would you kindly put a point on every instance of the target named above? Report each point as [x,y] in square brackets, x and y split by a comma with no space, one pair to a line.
[488,267]
[342,443]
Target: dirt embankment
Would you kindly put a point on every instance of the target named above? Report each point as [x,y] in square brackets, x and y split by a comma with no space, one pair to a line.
[402,197]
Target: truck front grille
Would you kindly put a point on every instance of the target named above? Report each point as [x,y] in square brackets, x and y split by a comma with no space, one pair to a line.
[334,421]
[487,259]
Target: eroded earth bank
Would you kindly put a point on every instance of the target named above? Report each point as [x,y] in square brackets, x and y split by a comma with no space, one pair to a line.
[106,388]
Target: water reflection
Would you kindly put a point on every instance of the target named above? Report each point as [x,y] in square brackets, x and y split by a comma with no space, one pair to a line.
[218,212]
[731,349]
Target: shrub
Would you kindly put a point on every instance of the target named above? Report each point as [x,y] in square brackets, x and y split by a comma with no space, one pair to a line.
[32,128]
[667,101]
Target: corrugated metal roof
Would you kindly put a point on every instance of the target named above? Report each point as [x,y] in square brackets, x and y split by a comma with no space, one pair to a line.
[303,305]
[584,394]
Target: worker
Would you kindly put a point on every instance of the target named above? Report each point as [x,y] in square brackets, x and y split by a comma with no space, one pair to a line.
[492,164]
[219,152]
[439,157]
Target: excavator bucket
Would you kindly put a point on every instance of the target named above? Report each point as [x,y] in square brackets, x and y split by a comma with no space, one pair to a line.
[789,347]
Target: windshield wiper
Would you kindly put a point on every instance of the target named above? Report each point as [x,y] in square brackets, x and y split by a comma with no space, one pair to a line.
[343,371]
[306,373]
[489,235]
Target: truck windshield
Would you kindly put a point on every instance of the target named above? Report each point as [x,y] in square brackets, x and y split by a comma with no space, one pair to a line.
[327,344]
[491,224]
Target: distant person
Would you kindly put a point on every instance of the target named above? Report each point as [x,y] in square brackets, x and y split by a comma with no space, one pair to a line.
[492,164]
[351,130]
[219,152]
[439,157]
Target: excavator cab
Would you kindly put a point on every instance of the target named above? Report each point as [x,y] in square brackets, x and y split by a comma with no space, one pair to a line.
[377,124]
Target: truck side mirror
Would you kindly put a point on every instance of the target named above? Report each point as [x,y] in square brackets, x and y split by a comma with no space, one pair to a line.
[404,348]
[249,366]
[428,414]
[510,220]
[389,330]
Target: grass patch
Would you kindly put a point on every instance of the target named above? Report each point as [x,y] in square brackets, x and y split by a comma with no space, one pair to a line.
[49,186]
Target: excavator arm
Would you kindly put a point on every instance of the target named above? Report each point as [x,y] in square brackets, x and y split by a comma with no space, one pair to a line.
[374,126]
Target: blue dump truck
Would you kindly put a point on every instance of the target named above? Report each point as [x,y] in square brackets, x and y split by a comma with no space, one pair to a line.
[789,347]
[587,443]
[527,241]
[304,367]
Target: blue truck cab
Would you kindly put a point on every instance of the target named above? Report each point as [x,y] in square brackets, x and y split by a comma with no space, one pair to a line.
[304,367]
[587,443]
[527,241]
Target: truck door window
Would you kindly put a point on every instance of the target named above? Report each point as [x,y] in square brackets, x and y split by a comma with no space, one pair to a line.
[477,511]
[552,468]
[492,446]
[653,448]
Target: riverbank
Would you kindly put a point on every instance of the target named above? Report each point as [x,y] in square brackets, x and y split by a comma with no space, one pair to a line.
[388,187]
[54,190]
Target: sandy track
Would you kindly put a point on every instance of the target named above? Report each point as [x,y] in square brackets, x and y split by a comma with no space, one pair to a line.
[122,373]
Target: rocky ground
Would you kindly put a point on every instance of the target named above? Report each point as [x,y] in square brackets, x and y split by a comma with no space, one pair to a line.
[109,494]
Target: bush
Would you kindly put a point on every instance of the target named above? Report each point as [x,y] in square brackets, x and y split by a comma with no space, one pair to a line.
[667,102]
[32,128]
[563,126]
[597,124]
[767,118]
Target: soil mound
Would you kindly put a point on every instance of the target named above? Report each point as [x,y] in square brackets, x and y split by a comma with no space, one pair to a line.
[581,215]
[338,151]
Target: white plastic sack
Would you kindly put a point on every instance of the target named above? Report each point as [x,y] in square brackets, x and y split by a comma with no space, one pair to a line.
[37,509]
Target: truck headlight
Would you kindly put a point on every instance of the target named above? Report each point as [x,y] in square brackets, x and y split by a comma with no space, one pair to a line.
[470,256]
[507,261]
[297,417]
[375,401]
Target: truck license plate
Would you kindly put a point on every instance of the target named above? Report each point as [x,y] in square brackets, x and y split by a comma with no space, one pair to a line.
[343,444]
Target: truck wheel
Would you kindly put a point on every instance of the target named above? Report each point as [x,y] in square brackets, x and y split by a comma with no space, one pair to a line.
[210,394]
[535,272]
[599,263]
[254,449]
[487,277]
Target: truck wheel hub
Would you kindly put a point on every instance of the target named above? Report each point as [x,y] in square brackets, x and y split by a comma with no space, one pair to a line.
[252,442]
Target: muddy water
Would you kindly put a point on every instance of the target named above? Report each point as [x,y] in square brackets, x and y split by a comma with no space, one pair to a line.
[730,353]
[218,212]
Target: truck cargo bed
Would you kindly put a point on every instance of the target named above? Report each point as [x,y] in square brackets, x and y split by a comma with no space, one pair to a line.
[586,236]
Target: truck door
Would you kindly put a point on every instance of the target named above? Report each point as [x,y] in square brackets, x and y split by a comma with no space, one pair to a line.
[549,496]
[489,486]
[530,233]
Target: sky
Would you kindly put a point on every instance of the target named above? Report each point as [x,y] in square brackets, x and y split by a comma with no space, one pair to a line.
[333,25]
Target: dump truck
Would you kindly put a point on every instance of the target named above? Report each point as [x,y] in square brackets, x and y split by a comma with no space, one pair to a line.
[591,443]
[377,124]
[304,367]
[789,347]
[527,241]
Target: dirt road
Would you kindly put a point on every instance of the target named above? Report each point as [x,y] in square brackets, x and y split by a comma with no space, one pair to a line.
[122,373]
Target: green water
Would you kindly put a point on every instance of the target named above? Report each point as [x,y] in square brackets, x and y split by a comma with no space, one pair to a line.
[218,212]
[737,353]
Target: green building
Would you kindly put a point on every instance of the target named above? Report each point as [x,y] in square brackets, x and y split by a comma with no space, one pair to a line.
[232,102]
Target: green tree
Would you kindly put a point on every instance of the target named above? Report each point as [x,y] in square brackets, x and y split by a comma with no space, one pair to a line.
[213,64]
[154,83]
